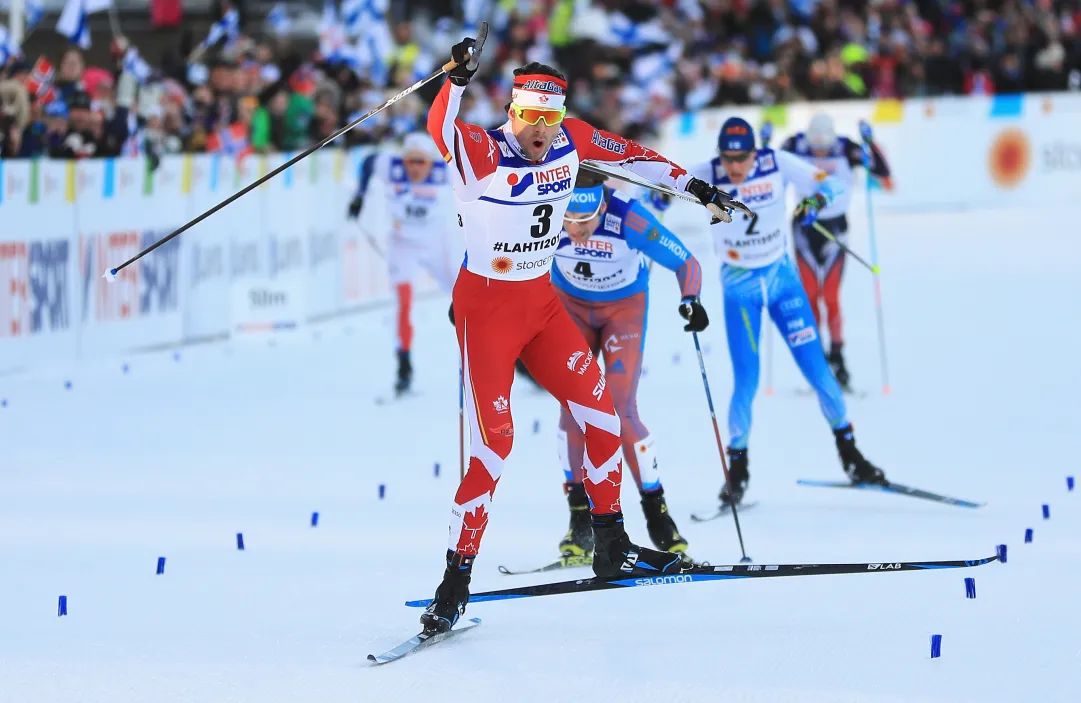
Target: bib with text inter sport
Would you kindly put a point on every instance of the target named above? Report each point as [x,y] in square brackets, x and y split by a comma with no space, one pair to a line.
[753,242]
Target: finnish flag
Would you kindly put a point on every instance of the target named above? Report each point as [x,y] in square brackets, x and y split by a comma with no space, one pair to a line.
[35,10]
[73,20]
[8,47]
[136,66]
[278,20]
[227,26]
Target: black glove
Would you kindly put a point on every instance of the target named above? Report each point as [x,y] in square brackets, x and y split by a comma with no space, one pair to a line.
[719,203]
[355,207]
[461,73]
[695,315]
[451,313]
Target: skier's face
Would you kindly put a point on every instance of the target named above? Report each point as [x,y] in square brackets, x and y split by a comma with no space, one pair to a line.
[581,230]
[534,139]
[737,165]
[417,167]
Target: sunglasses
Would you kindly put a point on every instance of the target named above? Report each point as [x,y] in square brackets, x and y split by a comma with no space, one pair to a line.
[416,162]
[533,115]
[736,158]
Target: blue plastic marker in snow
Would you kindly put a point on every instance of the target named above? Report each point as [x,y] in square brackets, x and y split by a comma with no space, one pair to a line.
[4,403]
[62,606]
[124,368]
[240,540]
[1001,551]
[1069,483]
[436,470]
[1028,535]
[315,519]
[1046,512]
[936,646]
[382,490]
[67,385]
[161,565]
[675,358]
[970,587]
[536,427]
[176,356]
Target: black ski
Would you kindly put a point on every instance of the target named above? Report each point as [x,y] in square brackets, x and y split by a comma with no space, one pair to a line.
[564,562]
[421,641]
[893,488]
[693,574]
[721,511]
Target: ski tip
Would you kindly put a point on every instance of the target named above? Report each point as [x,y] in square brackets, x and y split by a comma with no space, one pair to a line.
[418,603]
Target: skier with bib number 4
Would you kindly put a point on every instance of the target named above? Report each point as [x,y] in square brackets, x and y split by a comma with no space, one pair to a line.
[513,185]
[757,273]
[602,276]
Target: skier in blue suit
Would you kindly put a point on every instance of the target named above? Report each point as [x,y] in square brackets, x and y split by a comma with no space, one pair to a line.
[757,273]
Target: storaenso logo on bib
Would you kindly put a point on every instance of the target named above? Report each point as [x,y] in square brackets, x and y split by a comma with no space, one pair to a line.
[530,265]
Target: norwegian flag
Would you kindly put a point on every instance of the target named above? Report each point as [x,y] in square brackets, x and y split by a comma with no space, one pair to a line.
[40,81]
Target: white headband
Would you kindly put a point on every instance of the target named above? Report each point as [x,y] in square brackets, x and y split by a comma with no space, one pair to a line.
[532,98]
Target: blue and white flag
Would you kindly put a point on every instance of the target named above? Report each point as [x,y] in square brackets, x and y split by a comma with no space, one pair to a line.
[34,11]
[9,49]
[134,64]
[227,26]
[278,20]
[359,16]
[331,33]
[73,20]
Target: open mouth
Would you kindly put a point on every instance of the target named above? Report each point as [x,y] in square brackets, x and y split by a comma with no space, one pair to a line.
[538,143]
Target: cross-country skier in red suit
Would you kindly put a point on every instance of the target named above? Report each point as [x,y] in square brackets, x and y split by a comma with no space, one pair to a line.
[513,185]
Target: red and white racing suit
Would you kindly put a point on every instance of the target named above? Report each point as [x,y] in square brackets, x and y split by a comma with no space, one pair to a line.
[511,210]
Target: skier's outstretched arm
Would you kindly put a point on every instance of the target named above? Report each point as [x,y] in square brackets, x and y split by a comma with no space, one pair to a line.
[645,233]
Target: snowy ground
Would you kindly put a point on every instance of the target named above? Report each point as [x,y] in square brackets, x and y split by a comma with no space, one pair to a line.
[174,458]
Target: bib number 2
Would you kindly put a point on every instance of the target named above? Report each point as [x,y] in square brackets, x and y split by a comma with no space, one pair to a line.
[543,213]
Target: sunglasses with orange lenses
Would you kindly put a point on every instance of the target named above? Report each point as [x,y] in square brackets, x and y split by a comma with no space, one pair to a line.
[533,115]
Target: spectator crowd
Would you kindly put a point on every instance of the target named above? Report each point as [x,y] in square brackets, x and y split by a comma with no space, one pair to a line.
[631,63]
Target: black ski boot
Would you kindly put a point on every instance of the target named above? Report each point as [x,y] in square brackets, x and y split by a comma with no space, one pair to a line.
[659,523]
[405,373]
[738,477]
[615,554]
[451,595]
[579,539]
[837,365]
[859,470]
[519,366]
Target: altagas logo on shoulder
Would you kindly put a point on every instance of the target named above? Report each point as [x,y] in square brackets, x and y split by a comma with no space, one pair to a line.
[613,145]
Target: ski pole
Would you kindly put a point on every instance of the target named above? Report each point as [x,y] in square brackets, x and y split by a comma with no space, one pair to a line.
[720,445]
[461,421]
[877,281]
[829,235]
[444,69]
